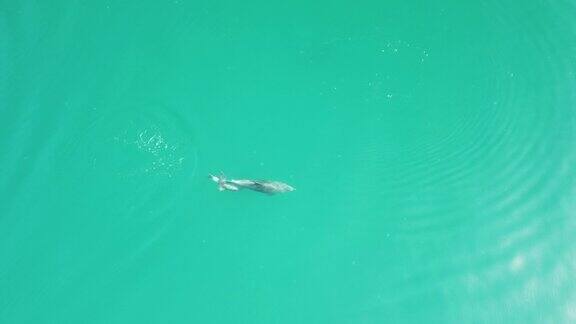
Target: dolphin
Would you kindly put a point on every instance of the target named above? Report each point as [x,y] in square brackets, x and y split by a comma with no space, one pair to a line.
[265,186]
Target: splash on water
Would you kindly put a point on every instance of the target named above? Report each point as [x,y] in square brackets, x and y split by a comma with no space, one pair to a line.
[165,157]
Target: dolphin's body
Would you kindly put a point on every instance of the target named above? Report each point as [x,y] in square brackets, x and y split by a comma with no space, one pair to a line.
[265,186]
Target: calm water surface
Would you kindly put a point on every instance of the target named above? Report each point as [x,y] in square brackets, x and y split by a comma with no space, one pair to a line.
[431,145]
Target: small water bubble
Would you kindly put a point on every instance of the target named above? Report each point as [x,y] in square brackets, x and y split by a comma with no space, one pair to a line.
[517,263]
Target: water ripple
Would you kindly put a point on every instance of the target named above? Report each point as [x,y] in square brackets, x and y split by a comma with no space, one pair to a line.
[497,180]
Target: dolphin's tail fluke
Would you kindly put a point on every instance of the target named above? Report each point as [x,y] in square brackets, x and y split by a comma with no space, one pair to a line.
[223,184]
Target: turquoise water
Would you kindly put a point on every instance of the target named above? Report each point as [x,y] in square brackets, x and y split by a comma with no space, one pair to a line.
[431,146]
